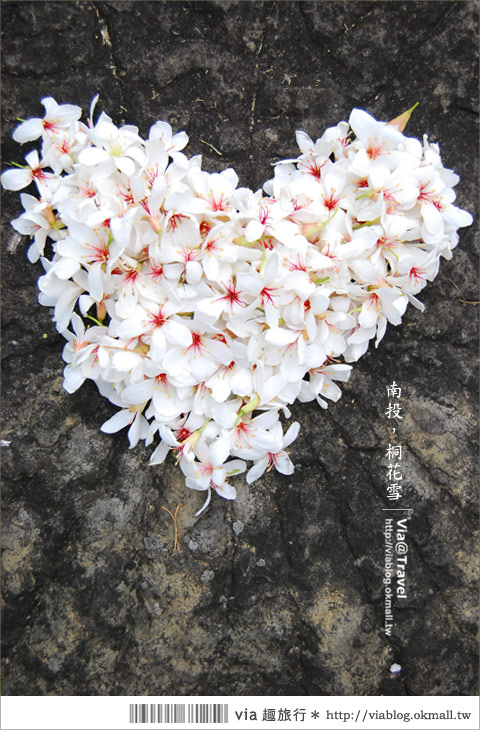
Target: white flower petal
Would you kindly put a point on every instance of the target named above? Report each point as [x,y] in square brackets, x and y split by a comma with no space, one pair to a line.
[93,156]
[95,281]
[138,393]
[160,453]
[205,504]
[226,491]
[73,378]
[177,333]
[283,463]
[16,179]
[28,131]
[257,470]
[281,336]
[117,422]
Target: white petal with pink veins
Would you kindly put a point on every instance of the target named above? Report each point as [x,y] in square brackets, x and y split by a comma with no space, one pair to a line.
[283,464]
[432,218]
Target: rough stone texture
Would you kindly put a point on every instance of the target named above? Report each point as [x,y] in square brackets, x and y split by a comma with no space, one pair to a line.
[95,599]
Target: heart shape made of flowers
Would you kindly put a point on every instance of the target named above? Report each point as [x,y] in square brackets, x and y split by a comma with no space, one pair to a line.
[203,310]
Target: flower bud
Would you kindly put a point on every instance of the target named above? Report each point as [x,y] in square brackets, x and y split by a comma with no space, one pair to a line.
[251,405]
[101,311]
[400,122]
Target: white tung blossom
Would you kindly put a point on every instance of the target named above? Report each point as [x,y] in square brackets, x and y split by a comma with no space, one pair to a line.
[202,310]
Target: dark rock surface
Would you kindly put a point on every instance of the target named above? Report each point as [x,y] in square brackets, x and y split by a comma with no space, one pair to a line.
[95,601]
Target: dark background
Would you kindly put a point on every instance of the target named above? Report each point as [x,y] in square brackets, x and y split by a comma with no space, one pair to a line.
[95,599]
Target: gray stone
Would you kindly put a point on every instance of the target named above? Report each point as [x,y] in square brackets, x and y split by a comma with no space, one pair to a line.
[207,576]
[237,527]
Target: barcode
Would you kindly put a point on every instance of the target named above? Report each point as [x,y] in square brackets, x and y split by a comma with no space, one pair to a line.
[176,713]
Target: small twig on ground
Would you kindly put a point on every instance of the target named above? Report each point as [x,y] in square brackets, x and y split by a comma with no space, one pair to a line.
[211,147]
[464,301]
[176,544]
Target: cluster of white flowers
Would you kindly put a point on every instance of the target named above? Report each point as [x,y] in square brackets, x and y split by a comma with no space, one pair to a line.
[203,310]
